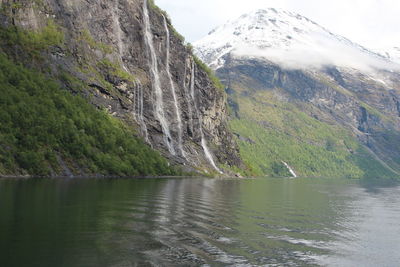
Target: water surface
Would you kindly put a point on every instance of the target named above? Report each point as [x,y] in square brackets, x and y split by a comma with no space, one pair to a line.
[198,222]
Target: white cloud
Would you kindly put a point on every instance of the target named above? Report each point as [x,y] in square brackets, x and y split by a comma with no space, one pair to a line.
[323,52]
[372,23]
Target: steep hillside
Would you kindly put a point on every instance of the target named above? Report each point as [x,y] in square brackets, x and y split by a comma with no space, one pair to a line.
[126,59]
[305,98]
[47,131]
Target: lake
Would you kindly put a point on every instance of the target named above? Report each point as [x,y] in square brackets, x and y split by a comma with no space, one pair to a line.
[198,222]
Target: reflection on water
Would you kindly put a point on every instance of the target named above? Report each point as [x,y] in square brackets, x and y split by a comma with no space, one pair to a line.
[192,222]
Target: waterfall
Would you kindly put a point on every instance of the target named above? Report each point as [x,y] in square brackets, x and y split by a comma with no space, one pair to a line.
[173,89]
[192,81]
[155,76]
[138,109]
[206,150]
[138,90]
[294,175]
[187,97]
[118,33]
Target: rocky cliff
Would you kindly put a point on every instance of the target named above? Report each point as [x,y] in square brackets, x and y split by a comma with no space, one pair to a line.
[124,56]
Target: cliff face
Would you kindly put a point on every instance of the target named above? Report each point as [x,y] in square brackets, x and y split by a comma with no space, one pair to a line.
[125,57]
[361,105]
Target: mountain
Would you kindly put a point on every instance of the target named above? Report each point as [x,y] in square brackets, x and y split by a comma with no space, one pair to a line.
[103,88]
[305,101]
[287,39]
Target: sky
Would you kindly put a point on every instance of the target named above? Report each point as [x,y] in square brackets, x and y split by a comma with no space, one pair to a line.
[371,23]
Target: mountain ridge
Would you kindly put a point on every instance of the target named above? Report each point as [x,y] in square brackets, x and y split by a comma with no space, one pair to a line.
[286,75]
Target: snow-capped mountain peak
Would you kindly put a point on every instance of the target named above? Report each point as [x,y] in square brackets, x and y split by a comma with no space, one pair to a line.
[285,38]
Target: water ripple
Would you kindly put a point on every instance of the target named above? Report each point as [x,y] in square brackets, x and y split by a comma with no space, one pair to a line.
[198,222]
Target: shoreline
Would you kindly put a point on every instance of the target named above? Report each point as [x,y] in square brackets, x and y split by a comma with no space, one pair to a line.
[119,177]
[93,177]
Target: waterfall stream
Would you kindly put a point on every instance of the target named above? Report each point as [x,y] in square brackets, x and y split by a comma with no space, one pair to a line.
[159,102]
[206,150]
[173,90]
[119,33]
[187,97]
[138,109]
[294,175]
[155,76]
[192,81]
[138,90]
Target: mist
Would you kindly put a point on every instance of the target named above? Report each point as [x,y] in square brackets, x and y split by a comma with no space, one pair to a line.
[319,53]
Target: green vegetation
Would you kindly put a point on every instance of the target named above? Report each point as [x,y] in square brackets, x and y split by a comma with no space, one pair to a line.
[7,6]
[31,42]
[176,33]
[334,85]
[374,112]
[43,127]
[98,75]
[273,131]
[116,70]
[214,79]
[71,82]
[103,69]
[153,6]
[87,37]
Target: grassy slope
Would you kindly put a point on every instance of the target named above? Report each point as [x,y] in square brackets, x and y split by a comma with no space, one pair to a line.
[273,131]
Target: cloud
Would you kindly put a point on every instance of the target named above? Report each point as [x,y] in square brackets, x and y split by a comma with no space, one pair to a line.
[322,52]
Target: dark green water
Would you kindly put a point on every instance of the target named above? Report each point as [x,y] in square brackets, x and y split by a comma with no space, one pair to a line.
[198,222]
